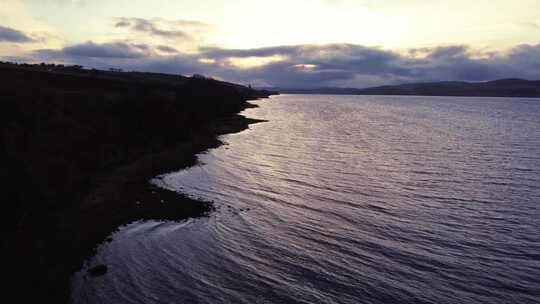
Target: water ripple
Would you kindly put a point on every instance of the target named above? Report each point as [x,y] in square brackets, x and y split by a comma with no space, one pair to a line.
[348,199]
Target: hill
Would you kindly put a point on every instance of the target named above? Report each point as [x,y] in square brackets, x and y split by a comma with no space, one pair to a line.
[77,150]
[496,88]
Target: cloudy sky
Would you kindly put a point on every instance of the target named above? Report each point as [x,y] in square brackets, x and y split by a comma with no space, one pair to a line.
[288,43]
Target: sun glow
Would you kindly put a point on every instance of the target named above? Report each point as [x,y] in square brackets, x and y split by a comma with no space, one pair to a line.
[207,60]
[253,62]
[306,67]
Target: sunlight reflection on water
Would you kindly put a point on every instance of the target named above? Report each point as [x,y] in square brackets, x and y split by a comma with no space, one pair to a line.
[348,199]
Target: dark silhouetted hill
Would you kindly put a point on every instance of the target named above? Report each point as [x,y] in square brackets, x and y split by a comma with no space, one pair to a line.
[496,88]
[77,149]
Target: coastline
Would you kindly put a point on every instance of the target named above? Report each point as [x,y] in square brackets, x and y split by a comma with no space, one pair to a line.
[126,195]
[79,152]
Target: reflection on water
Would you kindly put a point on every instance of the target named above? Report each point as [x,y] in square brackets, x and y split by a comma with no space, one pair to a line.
[348,199]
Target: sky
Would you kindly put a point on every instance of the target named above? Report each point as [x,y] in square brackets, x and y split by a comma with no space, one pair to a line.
[284,43]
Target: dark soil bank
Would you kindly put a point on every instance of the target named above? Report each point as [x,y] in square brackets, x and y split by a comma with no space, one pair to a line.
[78,148]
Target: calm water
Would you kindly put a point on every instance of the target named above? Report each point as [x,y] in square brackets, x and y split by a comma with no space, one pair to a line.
[348,199]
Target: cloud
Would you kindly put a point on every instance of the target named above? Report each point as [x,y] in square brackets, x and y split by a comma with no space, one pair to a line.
[159,27]
[166,49]
[315,65]
[123,23]
[106,50]
[60,2]
[11,35]
[343,65]
[360,66]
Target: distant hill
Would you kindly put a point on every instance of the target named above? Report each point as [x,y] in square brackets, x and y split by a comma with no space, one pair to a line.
[496,88]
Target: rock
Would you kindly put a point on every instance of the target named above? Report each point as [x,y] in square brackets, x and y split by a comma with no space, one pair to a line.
[98,270]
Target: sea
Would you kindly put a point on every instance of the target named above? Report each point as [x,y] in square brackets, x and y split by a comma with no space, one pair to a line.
[347,199]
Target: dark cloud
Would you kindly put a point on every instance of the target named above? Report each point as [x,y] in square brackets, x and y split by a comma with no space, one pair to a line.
[167,49]
[11,35]
[219,53]
[106,50]
[447,52]
[317,65]
[152,27]
[314,65]
[125,55]
[123,24]
[354,65]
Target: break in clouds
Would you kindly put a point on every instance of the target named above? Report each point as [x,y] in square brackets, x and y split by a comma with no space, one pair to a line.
[343,65]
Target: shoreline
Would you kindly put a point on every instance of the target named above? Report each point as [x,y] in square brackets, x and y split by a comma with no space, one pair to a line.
[79,150]
[127,195]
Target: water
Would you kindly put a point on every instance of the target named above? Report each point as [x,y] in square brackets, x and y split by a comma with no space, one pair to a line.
[348,199]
